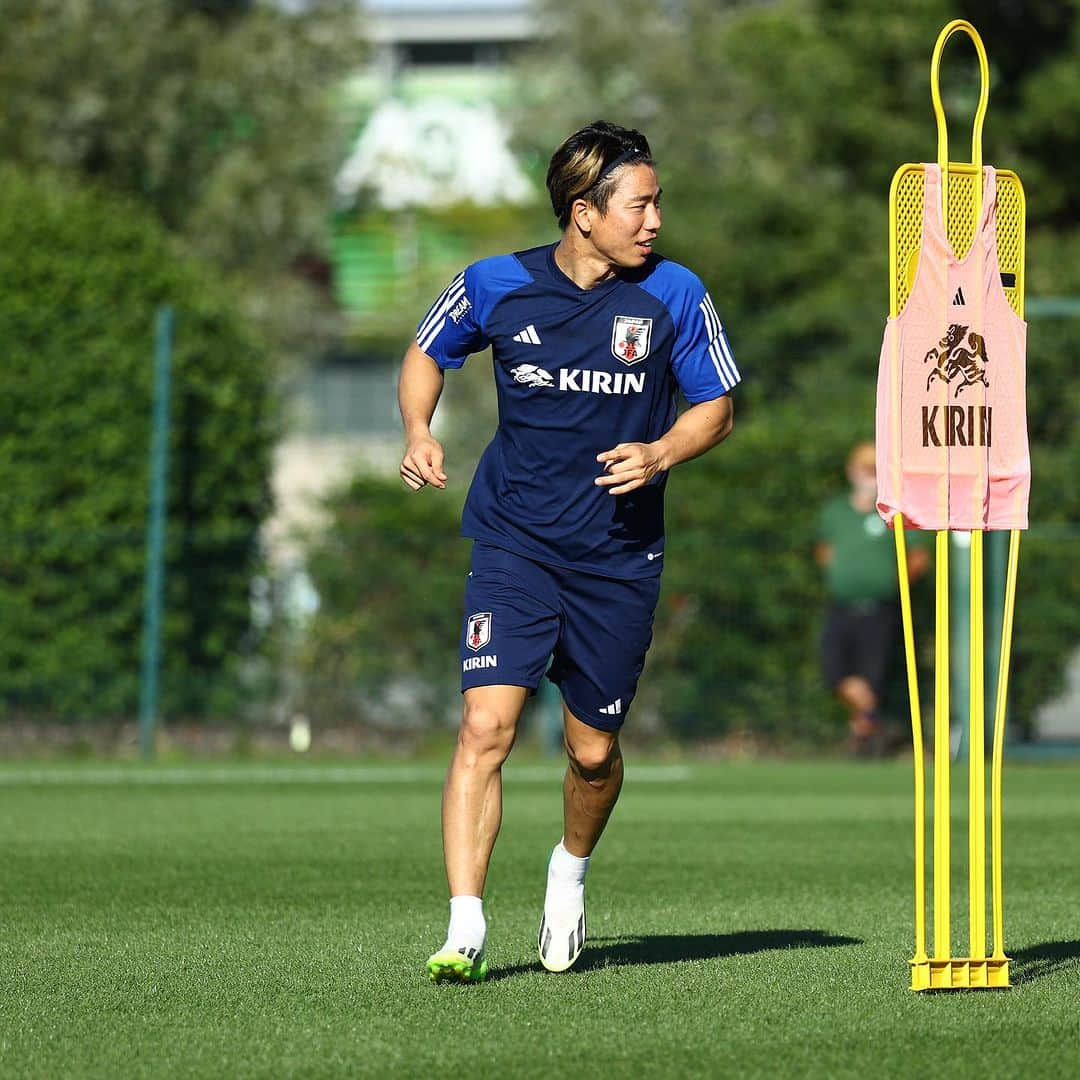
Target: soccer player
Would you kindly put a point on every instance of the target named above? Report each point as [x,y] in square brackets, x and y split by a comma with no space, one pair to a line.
[591,338]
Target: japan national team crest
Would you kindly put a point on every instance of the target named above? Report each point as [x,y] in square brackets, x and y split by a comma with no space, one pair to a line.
[478,632]
[630,338]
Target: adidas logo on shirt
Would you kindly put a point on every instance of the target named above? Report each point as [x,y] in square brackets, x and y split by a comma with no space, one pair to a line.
[528,336]
[959,297]
[614,709]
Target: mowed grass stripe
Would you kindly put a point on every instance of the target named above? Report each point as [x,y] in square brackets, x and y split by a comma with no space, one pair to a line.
[751,920]
[308,774]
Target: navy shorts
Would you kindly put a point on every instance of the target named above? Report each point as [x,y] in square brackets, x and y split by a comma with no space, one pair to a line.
[595,630]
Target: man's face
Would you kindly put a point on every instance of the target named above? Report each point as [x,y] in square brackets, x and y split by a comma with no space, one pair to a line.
[862,472]
[624,233]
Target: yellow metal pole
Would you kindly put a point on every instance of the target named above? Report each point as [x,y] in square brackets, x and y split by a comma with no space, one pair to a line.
[976,761]
[999,745]
[954,27]
[941,970]
[942,946]
[916,741]
[942,802]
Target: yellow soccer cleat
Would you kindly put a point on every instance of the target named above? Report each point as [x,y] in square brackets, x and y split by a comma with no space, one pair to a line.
[453,965]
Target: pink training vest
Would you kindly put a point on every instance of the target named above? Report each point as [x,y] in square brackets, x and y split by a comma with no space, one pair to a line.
[952,449]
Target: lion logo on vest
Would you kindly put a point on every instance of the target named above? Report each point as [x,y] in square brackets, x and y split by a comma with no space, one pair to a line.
[952,359]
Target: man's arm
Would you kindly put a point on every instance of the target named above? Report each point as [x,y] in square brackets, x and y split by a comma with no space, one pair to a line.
[632,465]
[419,388]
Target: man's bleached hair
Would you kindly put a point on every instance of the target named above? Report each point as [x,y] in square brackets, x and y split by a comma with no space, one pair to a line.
[585,166]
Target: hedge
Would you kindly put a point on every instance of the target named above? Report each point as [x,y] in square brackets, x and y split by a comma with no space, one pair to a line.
[81,276]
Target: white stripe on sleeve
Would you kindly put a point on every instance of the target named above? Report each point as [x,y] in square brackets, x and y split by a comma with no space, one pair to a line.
[712,322]
[450,296]
[425,343]
[727,376]
[719,348]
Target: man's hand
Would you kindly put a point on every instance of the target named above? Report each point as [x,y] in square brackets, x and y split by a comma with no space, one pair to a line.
[628,466]
[423,463]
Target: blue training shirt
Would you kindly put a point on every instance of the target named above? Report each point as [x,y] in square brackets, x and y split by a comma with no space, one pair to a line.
[577,371]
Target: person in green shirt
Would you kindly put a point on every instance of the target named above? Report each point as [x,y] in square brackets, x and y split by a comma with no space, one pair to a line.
[858,554]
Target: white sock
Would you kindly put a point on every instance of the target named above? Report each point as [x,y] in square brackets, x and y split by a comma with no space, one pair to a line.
[468,927]
[565,885]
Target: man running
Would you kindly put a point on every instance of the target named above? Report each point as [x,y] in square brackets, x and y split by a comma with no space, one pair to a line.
[592,338]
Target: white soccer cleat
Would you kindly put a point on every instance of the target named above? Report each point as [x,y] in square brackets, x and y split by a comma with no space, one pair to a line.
[560,941]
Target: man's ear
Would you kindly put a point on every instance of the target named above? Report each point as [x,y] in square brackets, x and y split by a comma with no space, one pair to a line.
[581,213]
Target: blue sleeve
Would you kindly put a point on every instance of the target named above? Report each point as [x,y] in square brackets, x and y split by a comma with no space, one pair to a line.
[702,359]
[451,329]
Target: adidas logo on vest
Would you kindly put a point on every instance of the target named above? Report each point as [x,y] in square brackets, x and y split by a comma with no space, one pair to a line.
[528,336]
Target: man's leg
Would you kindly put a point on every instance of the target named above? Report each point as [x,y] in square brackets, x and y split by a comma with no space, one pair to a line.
[872,660]
[591,787]
[472,794]
[841,646]
[604,636]
[861,701]
[590,790]
[471,815]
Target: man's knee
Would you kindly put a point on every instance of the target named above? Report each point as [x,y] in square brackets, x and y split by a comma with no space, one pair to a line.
[487,731]
[857,692]
[594,758]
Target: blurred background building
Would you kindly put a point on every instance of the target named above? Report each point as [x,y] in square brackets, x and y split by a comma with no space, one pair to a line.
[428,113]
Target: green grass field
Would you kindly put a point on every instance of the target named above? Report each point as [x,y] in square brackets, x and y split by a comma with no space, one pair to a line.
[745,920]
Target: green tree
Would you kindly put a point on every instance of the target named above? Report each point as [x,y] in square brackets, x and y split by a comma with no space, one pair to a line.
[389,572]
[220,116]
[81,275]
